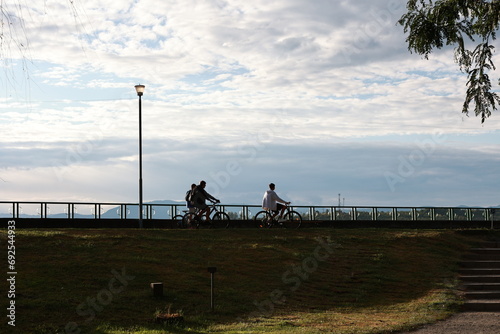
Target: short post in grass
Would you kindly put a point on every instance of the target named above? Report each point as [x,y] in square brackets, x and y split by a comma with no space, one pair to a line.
[157,289]
[212,271]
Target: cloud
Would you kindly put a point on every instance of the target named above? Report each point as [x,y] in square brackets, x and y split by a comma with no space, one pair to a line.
[424,172]
[321,98]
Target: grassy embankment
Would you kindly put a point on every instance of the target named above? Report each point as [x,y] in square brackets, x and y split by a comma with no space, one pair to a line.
[267,281]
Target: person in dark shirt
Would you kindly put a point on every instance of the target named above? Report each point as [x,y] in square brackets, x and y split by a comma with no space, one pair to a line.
[199,197]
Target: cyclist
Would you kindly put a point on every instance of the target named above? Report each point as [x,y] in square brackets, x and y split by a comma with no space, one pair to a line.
[199,196]
[189,201]
[272,202]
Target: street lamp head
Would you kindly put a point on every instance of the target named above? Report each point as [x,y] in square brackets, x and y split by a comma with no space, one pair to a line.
[140,89]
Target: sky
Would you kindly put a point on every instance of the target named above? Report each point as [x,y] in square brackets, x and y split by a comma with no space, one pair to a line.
[320,97]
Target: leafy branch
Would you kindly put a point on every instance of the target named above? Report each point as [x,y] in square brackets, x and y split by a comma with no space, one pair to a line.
[433,24]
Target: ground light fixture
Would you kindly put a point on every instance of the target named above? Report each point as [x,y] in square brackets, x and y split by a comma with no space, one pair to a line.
[212,271]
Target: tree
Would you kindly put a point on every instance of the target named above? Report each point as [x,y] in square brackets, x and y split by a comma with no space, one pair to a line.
[14,39]
[432,24]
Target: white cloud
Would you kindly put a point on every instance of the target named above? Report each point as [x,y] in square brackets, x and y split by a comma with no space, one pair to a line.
[321,97]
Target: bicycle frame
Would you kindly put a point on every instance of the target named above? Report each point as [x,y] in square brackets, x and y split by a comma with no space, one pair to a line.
[268,218]
[216,218]
[211,212]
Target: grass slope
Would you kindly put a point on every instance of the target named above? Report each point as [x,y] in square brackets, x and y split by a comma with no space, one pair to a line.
[267,281]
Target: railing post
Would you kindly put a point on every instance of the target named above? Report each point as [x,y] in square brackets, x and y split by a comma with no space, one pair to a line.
[492,216]
[244,212]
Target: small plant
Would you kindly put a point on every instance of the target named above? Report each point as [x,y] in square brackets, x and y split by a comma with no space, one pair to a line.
[166,317]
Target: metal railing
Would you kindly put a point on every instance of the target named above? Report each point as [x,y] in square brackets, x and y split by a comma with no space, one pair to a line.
[76,210]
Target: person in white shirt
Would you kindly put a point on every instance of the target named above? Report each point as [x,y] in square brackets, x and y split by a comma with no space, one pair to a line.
[272,202]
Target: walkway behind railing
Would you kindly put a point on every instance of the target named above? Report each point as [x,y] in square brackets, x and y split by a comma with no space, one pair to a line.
[74,210]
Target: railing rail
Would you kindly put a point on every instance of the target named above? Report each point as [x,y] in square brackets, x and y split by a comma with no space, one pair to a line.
[88,210]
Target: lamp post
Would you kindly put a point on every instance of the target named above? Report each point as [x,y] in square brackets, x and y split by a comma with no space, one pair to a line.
[140,90]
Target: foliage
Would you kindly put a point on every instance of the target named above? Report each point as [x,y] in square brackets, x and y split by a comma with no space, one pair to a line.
[433,24]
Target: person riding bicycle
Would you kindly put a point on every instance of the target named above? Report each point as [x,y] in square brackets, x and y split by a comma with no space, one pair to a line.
[199,196]
[189,202]
[272,202]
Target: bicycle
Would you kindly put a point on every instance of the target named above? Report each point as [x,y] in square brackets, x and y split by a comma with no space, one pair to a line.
[217,219]
[179,219]
[291,219]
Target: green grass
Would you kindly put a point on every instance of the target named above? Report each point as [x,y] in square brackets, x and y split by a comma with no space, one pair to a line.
[267,281]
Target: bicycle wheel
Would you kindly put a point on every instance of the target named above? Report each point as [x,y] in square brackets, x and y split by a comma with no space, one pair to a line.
[202,222]
[262,219]
[221,220]
[179,220]
[190,219]
[292,219]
